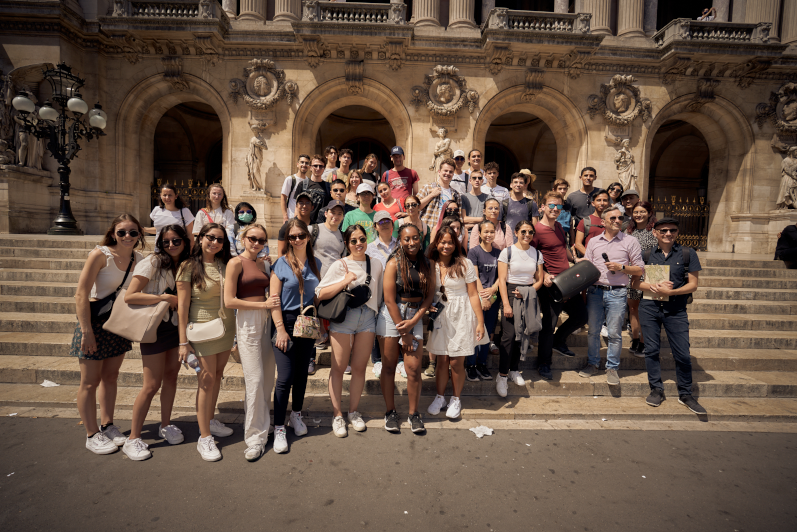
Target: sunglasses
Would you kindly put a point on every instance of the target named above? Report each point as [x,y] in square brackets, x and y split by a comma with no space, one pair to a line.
[339,190]
[477,178]
[355,241]
[443,294]
[616,218]
[173,243]
[410,205]
[294,238]
[459,158]
[212,239]
[133,233]
[615,190]
[665,231]
[253,240]
[526,232]
[553,206]
[384,222]
[451,212]
[318,166]
[244,212]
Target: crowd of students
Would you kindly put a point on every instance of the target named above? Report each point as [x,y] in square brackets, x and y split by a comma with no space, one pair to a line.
[461,250]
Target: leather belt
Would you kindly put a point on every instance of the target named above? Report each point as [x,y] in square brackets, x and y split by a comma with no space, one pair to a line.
[607,287]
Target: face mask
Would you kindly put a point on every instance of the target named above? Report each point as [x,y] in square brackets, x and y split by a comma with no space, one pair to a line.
[245,218]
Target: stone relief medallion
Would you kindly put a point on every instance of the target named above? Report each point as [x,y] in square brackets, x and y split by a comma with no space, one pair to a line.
[619,102]
[781,111]
[265,85]
[444,92]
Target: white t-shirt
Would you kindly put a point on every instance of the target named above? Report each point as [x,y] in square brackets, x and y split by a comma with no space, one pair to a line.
[337,271]
[523,265]
[286,190]
[159,280]
[161,218]
[460,183]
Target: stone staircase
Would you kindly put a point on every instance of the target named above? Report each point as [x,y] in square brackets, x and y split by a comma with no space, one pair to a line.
[744,349]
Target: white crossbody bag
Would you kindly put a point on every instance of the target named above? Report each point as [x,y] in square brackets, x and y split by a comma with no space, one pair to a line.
[196,333]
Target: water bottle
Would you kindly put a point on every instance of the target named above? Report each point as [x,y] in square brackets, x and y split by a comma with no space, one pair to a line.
[193,363]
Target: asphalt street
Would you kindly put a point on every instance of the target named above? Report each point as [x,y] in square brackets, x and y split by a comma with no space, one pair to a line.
[444,480]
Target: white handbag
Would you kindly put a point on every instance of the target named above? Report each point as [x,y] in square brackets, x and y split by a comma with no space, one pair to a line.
[196,333]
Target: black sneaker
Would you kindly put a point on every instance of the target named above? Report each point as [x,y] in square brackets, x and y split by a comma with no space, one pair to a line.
[471,375]
[545,372]
[416,423]
[483,373]
[392,422]
[640,350]
[563,350]
[689,402]
[634,345]
[656,397]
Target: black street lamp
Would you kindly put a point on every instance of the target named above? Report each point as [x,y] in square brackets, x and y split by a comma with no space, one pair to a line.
[63,126]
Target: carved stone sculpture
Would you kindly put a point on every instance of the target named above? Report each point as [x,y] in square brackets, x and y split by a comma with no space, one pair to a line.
[619,102]
[626,168]
[6,155]
[444,92]
[265,85]
[173,72]
[442,149]
[781,110]
[534,84]
[787,195]
[254,162]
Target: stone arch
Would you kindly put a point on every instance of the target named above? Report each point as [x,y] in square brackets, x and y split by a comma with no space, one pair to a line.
[333,95]
[731,159]
[558,112]
[140,112]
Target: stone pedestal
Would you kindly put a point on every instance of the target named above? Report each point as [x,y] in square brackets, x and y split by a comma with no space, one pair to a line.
[287,10]
[560,6]
[460,14]
[253,10]
[651,10]
[25,200]
[765,11]
[723,8]
[789,30]
[758,233]
[426,12]
[600,15]
[630,18]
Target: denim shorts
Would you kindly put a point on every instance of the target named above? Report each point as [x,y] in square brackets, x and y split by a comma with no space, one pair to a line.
[386,328]
[360,319]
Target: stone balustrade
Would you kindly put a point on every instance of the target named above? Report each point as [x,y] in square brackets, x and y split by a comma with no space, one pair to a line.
[354,12]
[181,9]
[684,29]
[536,21]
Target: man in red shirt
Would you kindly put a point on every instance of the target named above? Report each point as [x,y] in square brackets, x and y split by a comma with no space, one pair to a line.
[601,202]
[550,240]
[403,181]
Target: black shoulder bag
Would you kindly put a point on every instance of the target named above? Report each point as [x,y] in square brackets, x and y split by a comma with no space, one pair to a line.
[335,309]
[102,307]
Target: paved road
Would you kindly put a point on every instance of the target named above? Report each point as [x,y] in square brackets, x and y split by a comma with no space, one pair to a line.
[445,480]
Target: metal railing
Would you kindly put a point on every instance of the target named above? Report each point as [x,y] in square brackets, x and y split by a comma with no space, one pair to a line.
[684,29]
[692,215]
[537,21]
[354,12]
[194,195]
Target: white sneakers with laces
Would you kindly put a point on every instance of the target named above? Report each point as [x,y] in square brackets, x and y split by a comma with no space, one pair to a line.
[100,444]
[217,428]
[437,405]
[295,421]
[378,369]
[136,449]
[454,408]
[208,450]
[254,452]
[172,434]
[113,433]
[356,421]
[401,370]
[280,440]
[339,427]
[501,385]
[517,378]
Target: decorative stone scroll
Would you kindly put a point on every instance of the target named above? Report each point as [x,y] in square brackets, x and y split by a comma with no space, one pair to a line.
[173,72]
[534,83]
[354,76]
[314,51]
[747,73]
[704,94]
[444,92]
[619,102]
[501,56]
[265,85]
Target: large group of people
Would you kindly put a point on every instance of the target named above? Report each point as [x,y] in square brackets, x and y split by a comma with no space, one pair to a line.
[385,259]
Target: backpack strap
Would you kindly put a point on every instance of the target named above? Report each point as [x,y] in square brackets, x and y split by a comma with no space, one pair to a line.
[384,176]
[293,186]
[314,232]
[587,226]
[685,251]
[504,209]
[509,258]
[646,255]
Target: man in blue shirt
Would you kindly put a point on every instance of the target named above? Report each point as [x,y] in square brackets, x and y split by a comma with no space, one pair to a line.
[684,267]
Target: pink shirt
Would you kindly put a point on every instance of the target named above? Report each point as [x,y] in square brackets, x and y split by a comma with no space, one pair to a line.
[501,240]
[622,249]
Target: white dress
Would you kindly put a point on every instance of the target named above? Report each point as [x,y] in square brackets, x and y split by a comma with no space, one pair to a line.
[454,331]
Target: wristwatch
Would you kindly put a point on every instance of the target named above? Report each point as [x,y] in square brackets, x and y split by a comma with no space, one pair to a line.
[623,267]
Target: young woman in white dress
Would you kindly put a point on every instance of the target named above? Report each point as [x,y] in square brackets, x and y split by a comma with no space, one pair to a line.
[171,210]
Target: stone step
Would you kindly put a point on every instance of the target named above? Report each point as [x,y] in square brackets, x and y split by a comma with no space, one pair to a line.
[62,370]
[47,253]
[737,322]
[42,264]
[37,323]
[42,305]
[743,294]
[52,241]
[39,276]
[763,273]
[317,406]
[715,339]
[710,306]
[707,281]
[32,289]
[740,263]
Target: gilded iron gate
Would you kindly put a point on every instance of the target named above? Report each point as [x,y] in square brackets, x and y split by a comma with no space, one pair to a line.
[692,215]
[193,195]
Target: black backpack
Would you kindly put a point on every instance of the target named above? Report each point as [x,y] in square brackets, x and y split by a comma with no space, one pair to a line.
[685,258]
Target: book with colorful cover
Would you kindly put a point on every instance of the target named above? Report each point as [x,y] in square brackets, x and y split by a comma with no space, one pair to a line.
[656,274]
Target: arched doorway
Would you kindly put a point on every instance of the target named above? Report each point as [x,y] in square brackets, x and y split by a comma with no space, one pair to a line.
[517,140]
[187,152]
[360,129]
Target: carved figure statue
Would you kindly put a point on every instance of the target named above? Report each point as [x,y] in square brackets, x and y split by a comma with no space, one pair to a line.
[444,93]
[622,102]
[254,162]
[626,168]
[787,195]
[29,148]
[442,149]
[6,155]
[21,142]
[229,6]
[790,111]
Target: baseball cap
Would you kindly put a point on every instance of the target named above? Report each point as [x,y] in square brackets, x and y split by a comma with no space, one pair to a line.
[304,195]
[630,192]
[381,215]
[397,150]
[364,187]
[665,221]
[336,203]
[459,153]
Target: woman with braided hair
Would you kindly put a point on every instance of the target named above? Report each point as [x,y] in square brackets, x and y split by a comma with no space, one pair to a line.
[408,291]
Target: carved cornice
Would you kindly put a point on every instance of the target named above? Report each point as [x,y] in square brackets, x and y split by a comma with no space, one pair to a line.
[619,102]
[264,87]
[444,92]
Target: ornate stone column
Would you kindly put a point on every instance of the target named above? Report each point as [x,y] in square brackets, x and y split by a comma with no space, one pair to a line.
[460,14]
[600,15]
[253,10]
[765,11]
[560,6]
[287,10]
[425,12]
[630,18]
[789,31]
[723,8]
[651,12]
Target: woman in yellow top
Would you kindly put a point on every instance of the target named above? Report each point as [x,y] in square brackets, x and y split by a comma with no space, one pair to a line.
[199,286]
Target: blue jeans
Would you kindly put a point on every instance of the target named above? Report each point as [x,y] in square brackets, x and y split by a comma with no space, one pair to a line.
[483,351]
[606,306]
[652,315]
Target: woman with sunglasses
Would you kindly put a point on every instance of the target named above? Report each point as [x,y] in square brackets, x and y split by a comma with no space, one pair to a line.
[492,210]
[413,207]
[615,193]
[460,324]
[199,295]
[522,269]
[355,179]
[408,291]
[171,210]
[641,229]
[294,278]
[246,290]
[216,211]
[153,282]
[450,210]
[101,353]
[353,338]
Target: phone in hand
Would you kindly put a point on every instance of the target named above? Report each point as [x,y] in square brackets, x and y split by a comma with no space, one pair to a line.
[287,347]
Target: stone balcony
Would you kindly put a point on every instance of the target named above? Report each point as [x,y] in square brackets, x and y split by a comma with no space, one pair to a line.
[687,35]
[353,18]
[507,25]
[168,15]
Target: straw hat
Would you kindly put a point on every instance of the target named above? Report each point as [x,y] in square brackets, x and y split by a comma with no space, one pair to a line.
[527,172]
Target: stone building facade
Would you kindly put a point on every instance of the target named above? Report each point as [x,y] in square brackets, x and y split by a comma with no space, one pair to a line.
[701,114]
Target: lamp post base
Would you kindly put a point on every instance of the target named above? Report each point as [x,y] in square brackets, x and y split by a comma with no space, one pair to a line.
[64,223]
[64,231]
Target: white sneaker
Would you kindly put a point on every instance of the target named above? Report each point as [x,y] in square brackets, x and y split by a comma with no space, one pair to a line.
[356,421]
[254,452]
[217,428]
[437,405]
[280,440]
[113,433]
[501,386]
[378,369]
[339,427]
[136,449]
[454,408]
[348,370]
[400,369]
[295,421]
[208,450]
[517,378]
[100,444]
[172,434]
[604,332]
